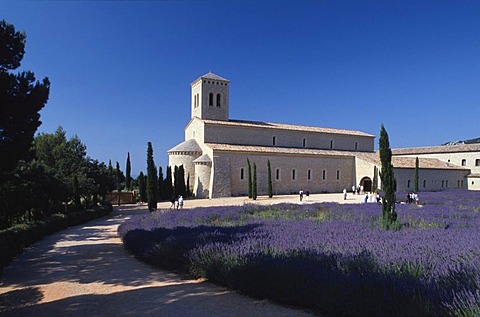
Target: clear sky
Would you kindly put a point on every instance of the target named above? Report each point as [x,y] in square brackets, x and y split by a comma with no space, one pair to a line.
[120,71]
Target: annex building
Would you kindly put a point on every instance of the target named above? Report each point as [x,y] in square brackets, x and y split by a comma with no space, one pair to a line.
[315,159]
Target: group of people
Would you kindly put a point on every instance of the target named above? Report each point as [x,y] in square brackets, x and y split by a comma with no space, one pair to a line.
[357,190]
[302,193]
[412,197]
[177,202]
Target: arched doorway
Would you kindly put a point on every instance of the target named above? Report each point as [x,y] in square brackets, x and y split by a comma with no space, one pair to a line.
[366,182]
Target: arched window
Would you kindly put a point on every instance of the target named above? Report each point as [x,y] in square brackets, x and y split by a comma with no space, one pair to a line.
[194,101]
[218,100]
[331,144]
[464,162]
[477,162]
[198,100]
[210,99]
[356,146]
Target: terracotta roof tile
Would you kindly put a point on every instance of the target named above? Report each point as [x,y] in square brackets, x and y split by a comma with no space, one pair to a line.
[438,149]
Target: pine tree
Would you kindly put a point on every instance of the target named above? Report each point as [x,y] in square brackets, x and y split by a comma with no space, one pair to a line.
[415,178]
[254,184]
[76,195]
[250,187]
[269,180]
[142,187]
[388,179]
[152,186]
[128,170]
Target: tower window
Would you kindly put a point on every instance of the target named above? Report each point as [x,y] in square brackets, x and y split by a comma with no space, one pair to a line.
[210,99]
[194,101]
[218,100]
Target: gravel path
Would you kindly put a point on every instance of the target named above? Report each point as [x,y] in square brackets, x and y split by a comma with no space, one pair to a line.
[85,271]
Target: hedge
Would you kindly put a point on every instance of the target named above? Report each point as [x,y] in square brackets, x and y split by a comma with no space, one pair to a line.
[13,240]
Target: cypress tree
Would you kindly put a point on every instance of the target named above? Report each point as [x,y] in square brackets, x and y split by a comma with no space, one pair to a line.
[181,181]
[415,177]
[375,179]
[119,186]
[161,192]
[128,170]
[388,179]
[250,193]
[269,180]
[176,189]
[142,187]
[110,167]
[254,184]
[169,183]
[152,186]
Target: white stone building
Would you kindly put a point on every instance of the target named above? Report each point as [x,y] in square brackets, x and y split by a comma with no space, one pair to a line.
[315,159]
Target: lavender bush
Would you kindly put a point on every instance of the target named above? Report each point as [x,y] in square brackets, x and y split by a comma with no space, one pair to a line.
[329,258]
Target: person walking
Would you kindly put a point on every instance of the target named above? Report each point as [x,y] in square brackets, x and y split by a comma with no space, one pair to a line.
[180,202]
[301,194]
[344,194]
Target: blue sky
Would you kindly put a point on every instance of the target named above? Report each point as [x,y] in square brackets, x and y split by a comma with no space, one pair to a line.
[121,70]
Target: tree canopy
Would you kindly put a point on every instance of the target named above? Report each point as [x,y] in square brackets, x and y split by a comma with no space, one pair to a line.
[21,99]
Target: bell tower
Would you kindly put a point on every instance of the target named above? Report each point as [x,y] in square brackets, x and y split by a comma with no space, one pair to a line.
[210,97]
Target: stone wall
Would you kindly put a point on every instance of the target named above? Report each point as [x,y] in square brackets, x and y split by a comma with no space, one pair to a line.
[286,138]
[455,158]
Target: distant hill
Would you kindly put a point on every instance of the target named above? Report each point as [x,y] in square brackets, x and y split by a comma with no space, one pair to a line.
[471,141]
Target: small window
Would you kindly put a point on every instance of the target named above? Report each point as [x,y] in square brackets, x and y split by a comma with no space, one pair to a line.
[338,175]
[309,174]
[443,183]
[241,173]
[304,142]
[293,174]
[331,144]
[424,183]
[473,183]
[274,141]
[356,146]
[446,183]
[210,99]
[324,174]
[408,184]
[277,174]
[464,162]
[218,100]
[477,162]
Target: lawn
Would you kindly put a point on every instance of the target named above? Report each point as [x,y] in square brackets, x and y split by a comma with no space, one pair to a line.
[332,259]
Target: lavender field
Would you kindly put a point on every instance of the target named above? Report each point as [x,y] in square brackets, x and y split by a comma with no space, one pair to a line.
[331,259]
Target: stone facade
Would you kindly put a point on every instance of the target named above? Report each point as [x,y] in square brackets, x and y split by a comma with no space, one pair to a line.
[314,159]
